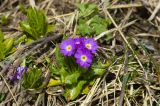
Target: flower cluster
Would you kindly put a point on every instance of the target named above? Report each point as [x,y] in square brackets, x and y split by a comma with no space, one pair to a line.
[82,49]
[18,74]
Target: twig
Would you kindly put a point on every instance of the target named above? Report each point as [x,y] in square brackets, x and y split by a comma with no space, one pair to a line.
[124,80]
[147,35]
[32,3]
[156,10]
[114,29]
[46,39]
[9,89]
[91,93]
[38,99]
[124,6]
[4,102]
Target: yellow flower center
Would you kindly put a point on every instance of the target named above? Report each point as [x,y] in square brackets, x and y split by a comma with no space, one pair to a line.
[84,58]
[88,46]
[69,48]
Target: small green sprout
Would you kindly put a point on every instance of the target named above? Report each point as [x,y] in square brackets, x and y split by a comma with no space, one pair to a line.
[32,79]
[36,24]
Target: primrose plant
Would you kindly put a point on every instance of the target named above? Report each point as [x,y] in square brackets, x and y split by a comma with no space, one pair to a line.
[76,67]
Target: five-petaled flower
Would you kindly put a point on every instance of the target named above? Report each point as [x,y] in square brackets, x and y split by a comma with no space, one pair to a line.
[83,57]
[68,47]
[90,44]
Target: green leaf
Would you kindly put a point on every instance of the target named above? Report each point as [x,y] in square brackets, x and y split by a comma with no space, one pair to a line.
[50,28]
[8,45]
[99,28]
[95,25]
[36,24]
[86,90]
[20,39]
[26,27]
[11,51]
[73,92]
[63,74]
[54,69]
[99,68]
[1,36]
[84,29]
[72,78]
[32,79]
[2,49]
[99,24]
[37,21]
[59,57]
[87,9]
[53,82]
[2,97]
[29,40]
[4,20]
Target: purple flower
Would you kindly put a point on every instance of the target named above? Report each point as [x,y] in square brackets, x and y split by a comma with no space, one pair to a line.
[77,41]
[90,44]
[83,57]
[68,47]
[19,72]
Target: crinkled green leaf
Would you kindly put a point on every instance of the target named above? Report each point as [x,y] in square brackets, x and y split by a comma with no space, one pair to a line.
[99,24]
[73,92]
[63,74]
[26,27]
[37,21]
[21,39]
[2,49]
[72,78]
[29,40]
[53,82]
[11,51]
[84,29]
[99,68]
[32,79]
[54,69]
[99,28]
[1,36]
[86,90]
[59,57]
[8,44]
[99,20]
[86,9]
[36,24]
[95,25]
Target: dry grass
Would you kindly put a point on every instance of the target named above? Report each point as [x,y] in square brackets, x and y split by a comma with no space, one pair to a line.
[133,79]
